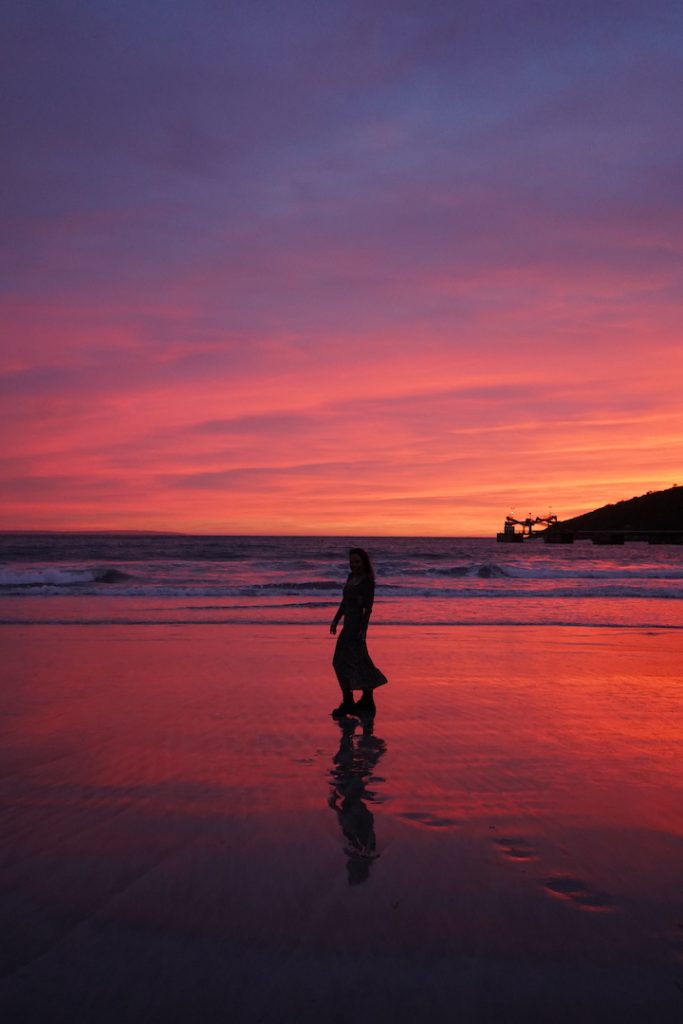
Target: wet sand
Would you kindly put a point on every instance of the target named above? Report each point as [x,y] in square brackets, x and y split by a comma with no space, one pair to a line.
[188,835]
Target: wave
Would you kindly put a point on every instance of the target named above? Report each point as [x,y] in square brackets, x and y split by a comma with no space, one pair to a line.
[295,585]
[485,571]
[632,573]
[266,582]
[510,622]
[20,578]
[397,594]
[490,570]
[113,576]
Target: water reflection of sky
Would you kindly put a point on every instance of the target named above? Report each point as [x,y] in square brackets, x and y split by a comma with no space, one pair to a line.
[168,836]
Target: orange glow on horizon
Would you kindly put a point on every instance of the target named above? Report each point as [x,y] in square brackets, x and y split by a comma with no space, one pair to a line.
[440,445]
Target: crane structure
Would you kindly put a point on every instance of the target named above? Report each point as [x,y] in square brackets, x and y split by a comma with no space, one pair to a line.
[511,536]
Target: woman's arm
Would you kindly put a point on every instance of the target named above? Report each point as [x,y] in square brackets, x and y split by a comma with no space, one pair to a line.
[368,595]
[338,616]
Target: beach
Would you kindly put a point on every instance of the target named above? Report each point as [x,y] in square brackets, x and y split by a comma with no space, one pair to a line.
[188,835]
[341,533]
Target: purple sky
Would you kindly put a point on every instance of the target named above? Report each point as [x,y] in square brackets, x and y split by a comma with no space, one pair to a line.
[371,267]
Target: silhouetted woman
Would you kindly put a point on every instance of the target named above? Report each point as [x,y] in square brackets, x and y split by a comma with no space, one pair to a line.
[352,663]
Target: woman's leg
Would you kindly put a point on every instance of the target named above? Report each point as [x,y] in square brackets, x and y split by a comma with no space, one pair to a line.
[343,670]
[367,703]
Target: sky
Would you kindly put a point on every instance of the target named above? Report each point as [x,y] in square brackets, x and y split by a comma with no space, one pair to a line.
[354,268]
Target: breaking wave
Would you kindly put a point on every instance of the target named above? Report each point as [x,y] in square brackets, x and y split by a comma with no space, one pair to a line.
[19,579]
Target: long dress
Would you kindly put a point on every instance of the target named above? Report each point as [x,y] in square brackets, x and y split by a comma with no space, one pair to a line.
[352,663]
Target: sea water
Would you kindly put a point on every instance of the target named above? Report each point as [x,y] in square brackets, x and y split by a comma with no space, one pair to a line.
[141,578]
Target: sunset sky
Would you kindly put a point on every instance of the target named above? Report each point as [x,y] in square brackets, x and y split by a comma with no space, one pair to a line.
[339,267]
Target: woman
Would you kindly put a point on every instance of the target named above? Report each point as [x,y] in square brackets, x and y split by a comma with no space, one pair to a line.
[352,663]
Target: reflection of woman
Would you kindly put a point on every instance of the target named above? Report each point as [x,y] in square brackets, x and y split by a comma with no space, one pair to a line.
[353,769]
[352,663]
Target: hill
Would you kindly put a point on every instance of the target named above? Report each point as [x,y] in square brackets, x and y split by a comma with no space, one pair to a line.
[654,511]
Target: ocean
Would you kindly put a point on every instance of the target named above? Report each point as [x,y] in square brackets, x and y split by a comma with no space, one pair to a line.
[100,578]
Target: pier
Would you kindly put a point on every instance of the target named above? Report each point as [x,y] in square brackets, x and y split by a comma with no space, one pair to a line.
[614,537]
[555,533]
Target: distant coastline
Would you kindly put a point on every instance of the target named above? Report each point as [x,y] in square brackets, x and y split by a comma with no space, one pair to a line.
[655,517]
[655,510]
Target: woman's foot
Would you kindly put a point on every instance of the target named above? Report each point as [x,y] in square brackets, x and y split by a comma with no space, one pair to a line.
[346,708]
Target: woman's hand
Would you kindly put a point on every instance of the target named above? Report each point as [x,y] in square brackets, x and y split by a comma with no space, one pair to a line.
[333,627]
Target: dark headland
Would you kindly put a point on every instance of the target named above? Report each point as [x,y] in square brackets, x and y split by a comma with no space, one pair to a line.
[656,517]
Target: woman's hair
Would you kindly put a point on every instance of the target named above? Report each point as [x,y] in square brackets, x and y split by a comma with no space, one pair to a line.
[365,558]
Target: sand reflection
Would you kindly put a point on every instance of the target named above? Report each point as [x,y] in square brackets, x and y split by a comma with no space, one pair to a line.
[353,769]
